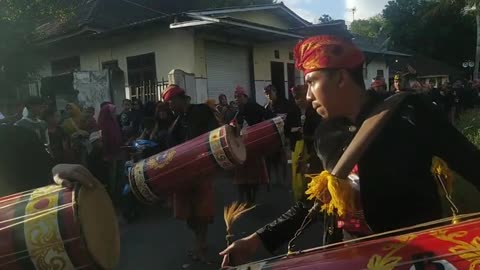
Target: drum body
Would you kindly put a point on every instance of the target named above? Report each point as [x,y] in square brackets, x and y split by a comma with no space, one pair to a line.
[265,138]
[175,168]
[57,228]
[452,247]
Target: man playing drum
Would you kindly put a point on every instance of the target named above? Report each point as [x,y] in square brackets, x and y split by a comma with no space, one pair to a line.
[194,204]
[397,188]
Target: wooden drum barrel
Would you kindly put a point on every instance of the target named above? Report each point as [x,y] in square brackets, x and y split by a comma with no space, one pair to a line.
[265,138]
[58,228]
[446,246]
[175,168]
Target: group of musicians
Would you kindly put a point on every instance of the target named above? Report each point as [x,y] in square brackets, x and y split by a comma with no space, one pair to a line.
[397,188]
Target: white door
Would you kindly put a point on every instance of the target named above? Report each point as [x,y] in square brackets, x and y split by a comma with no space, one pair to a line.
[227,67]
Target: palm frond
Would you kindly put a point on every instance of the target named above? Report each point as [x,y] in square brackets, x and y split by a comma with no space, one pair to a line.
[233,212]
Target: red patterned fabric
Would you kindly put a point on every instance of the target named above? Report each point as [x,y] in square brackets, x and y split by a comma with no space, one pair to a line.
[327,51]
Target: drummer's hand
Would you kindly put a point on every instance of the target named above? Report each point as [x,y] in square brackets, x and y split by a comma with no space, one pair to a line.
[67,174]
[241,251]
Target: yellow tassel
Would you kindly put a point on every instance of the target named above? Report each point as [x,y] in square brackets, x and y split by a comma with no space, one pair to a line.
[440,168]
[336,194]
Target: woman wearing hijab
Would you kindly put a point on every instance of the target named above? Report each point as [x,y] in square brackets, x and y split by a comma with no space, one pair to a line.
[74,121]
[112,143]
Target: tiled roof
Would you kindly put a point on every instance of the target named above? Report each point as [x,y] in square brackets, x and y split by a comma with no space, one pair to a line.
[375,46]
[423,66]
[105,15]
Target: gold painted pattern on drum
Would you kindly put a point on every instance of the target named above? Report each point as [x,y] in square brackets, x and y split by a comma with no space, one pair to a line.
[280,125]
[42,233]
[142,187]
[159,162]
[217,149]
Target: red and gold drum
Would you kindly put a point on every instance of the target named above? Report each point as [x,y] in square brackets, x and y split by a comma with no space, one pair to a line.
[175,168]
[265,138]
[449,247]
[58,228]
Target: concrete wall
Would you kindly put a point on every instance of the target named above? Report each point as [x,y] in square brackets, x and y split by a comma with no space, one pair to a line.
[265,17]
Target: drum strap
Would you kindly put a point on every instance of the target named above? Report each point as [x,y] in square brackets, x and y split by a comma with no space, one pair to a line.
[366,134]
[359,144]
[368,131]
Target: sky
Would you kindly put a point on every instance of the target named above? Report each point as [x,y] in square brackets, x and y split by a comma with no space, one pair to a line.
[311,10]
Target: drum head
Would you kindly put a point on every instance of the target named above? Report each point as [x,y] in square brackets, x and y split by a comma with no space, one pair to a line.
[99,226]
[239,153]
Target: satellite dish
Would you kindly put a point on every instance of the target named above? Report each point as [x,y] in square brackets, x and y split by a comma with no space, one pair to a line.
[471,64]
[465,64]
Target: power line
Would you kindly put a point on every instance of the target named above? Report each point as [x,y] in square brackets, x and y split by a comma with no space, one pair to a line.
[145,7]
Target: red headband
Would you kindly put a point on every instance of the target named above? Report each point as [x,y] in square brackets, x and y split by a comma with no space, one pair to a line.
[240,91]
[327,51]
[378,83]
[171,92]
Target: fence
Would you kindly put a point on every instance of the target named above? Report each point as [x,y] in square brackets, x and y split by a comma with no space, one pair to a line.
[147,91]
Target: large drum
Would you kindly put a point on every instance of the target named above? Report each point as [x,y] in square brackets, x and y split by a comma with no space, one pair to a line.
[265,138]
[175,168]
[57,228]
[449,247]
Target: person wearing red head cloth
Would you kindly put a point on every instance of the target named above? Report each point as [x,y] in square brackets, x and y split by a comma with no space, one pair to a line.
[379,85]
[393,195]
[194,204]
[253,172]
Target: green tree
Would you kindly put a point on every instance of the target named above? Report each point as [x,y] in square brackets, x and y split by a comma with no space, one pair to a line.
[426,27]
[472,7]
[325,18]
[370,27]
[18,21]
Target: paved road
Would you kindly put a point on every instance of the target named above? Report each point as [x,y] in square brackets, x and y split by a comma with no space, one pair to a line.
[157,241]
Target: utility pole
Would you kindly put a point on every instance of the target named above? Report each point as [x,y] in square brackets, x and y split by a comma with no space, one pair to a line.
[353,10]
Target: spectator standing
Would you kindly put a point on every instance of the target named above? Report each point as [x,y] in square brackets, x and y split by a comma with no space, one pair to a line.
[112,143]
[73,122]
[59,140]
[35,108]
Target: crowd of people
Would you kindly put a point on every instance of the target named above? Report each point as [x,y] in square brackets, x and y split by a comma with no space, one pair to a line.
[103,144]
[452,98]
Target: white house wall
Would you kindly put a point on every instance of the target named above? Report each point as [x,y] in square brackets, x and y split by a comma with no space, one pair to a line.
[168,55]
[263,55]
[174,49]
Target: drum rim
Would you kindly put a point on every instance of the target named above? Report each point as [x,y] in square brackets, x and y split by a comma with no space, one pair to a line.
[115,229]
